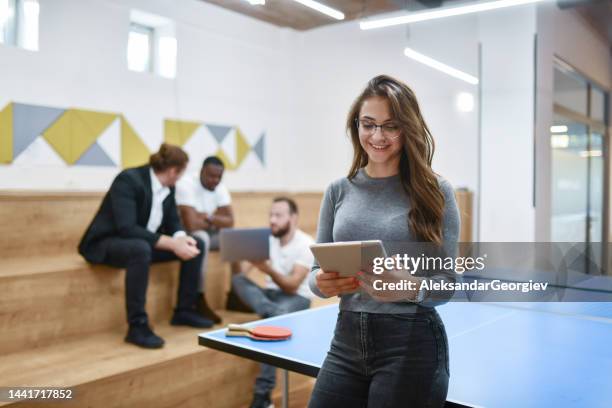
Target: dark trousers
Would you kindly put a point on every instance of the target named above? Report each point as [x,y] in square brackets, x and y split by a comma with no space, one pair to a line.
[384,361]
[136,255]
[267,303]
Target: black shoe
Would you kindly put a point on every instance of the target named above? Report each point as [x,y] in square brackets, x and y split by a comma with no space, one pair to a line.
[190,318]
[236,304]
[206,311]
[142,335]
[262,401]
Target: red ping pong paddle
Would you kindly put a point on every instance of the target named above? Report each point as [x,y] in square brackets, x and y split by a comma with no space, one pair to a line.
[261,333]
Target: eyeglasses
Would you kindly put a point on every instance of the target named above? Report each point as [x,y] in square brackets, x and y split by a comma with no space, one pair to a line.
[390,131]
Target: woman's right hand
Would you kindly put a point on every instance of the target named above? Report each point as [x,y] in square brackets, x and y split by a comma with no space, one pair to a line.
[330,284]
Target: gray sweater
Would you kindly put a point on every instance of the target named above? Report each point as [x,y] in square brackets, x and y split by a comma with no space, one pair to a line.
[367,208]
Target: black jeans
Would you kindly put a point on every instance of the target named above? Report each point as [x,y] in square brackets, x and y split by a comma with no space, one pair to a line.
[136,255]
[384,361]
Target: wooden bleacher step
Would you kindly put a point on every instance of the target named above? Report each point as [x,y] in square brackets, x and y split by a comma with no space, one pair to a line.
[104,371]
[46,299]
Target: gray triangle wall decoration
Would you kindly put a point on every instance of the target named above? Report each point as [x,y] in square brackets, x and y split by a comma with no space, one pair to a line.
[219,132]
[259,149]
[29,122]
[95,156]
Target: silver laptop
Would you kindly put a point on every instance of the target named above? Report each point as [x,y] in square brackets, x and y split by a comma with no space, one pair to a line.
[244,244]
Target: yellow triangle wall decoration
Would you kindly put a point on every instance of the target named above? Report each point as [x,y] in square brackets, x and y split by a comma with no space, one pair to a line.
[6,134]
[75,131]
[59,136]
[226,161]
[88,126]
[242,147]
[133,151]
[178,132]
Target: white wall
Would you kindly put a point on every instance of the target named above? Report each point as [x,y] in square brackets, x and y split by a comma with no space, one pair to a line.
[506,193]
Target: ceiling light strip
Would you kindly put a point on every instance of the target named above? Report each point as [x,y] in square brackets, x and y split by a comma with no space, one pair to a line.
[430,62]
[322,8]
[469,8]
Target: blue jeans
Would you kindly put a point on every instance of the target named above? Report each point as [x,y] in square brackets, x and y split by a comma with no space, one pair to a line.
[384,361]
[267,303]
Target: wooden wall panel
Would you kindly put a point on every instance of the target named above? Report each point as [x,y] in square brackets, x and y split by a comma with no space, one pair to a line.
[53,223]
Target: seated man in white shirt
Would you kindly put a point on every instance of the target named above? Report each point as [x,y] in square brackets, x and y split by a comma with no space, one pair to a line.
[286,284]
[205,207]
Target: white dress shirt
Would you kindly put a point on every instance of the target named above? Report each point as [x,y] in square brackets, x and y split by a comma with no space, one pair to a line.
[160,192]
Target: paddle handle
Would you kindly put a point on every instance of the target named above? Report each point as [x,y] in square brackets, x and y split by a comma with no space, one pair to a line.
[238,333]
[238,328]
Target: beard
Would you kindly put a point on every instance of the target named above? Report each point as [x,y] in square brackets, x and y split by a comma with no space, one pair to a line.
[281,231]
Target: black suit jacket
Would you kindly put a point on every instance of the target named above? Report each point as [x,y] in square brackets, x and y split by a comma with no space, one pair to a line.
[124,213]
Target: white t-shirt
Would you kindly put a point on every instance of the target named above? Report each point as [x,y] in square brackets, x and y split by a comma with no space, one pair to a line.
[190,192]
[284,258]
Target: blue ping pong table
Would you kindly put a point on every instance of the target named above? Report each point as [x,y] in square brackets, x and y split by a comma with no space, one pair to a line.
[501,354]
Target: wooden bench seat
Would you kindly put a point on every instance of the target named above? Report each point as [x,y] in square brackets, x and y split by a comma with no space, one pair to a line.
[50,298]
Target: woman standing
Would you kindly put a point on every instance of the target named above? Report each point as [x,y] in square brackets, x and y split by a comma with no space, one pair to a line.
[387,351]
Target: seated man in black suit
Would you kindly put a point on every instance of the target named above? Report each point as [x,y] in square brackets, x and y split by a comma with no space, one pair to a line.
[137,224]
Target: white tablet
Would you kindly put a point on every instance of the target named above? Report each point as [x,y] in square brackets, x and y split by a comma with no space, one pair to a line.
[349,257]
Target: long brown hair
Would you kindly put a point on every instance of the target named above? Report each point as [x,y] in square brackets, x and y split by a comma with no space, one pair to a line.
[416,175]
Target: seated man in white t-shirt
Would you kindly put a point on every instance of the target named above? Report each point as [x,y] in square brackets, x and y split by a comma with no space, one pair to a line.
[205,206]
[286,287]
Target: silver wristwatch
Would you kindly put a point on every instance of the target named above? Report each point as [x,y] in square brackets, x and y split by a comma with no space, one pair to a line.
[420,295]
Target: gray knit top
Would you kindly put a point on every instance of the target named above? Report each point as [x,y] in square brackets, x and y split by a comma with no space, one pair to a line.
[367,208]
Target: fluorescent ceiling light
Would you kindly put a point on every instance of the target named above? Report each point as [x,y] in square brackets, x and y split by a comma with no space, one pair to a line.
[558,129]
[590,153]
[322,8]
[430,62]
[468,8]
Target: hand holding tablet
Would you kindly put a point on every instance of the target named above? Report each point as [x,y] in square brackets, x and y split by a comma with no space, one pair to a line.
[347,258]
[341,261]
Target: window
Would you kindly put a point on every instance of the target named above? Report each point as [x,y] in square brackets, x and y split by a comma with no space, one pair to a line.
[579,145]
[19,23]
[151,44]
[166,46]
[8,24]
[140,48]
